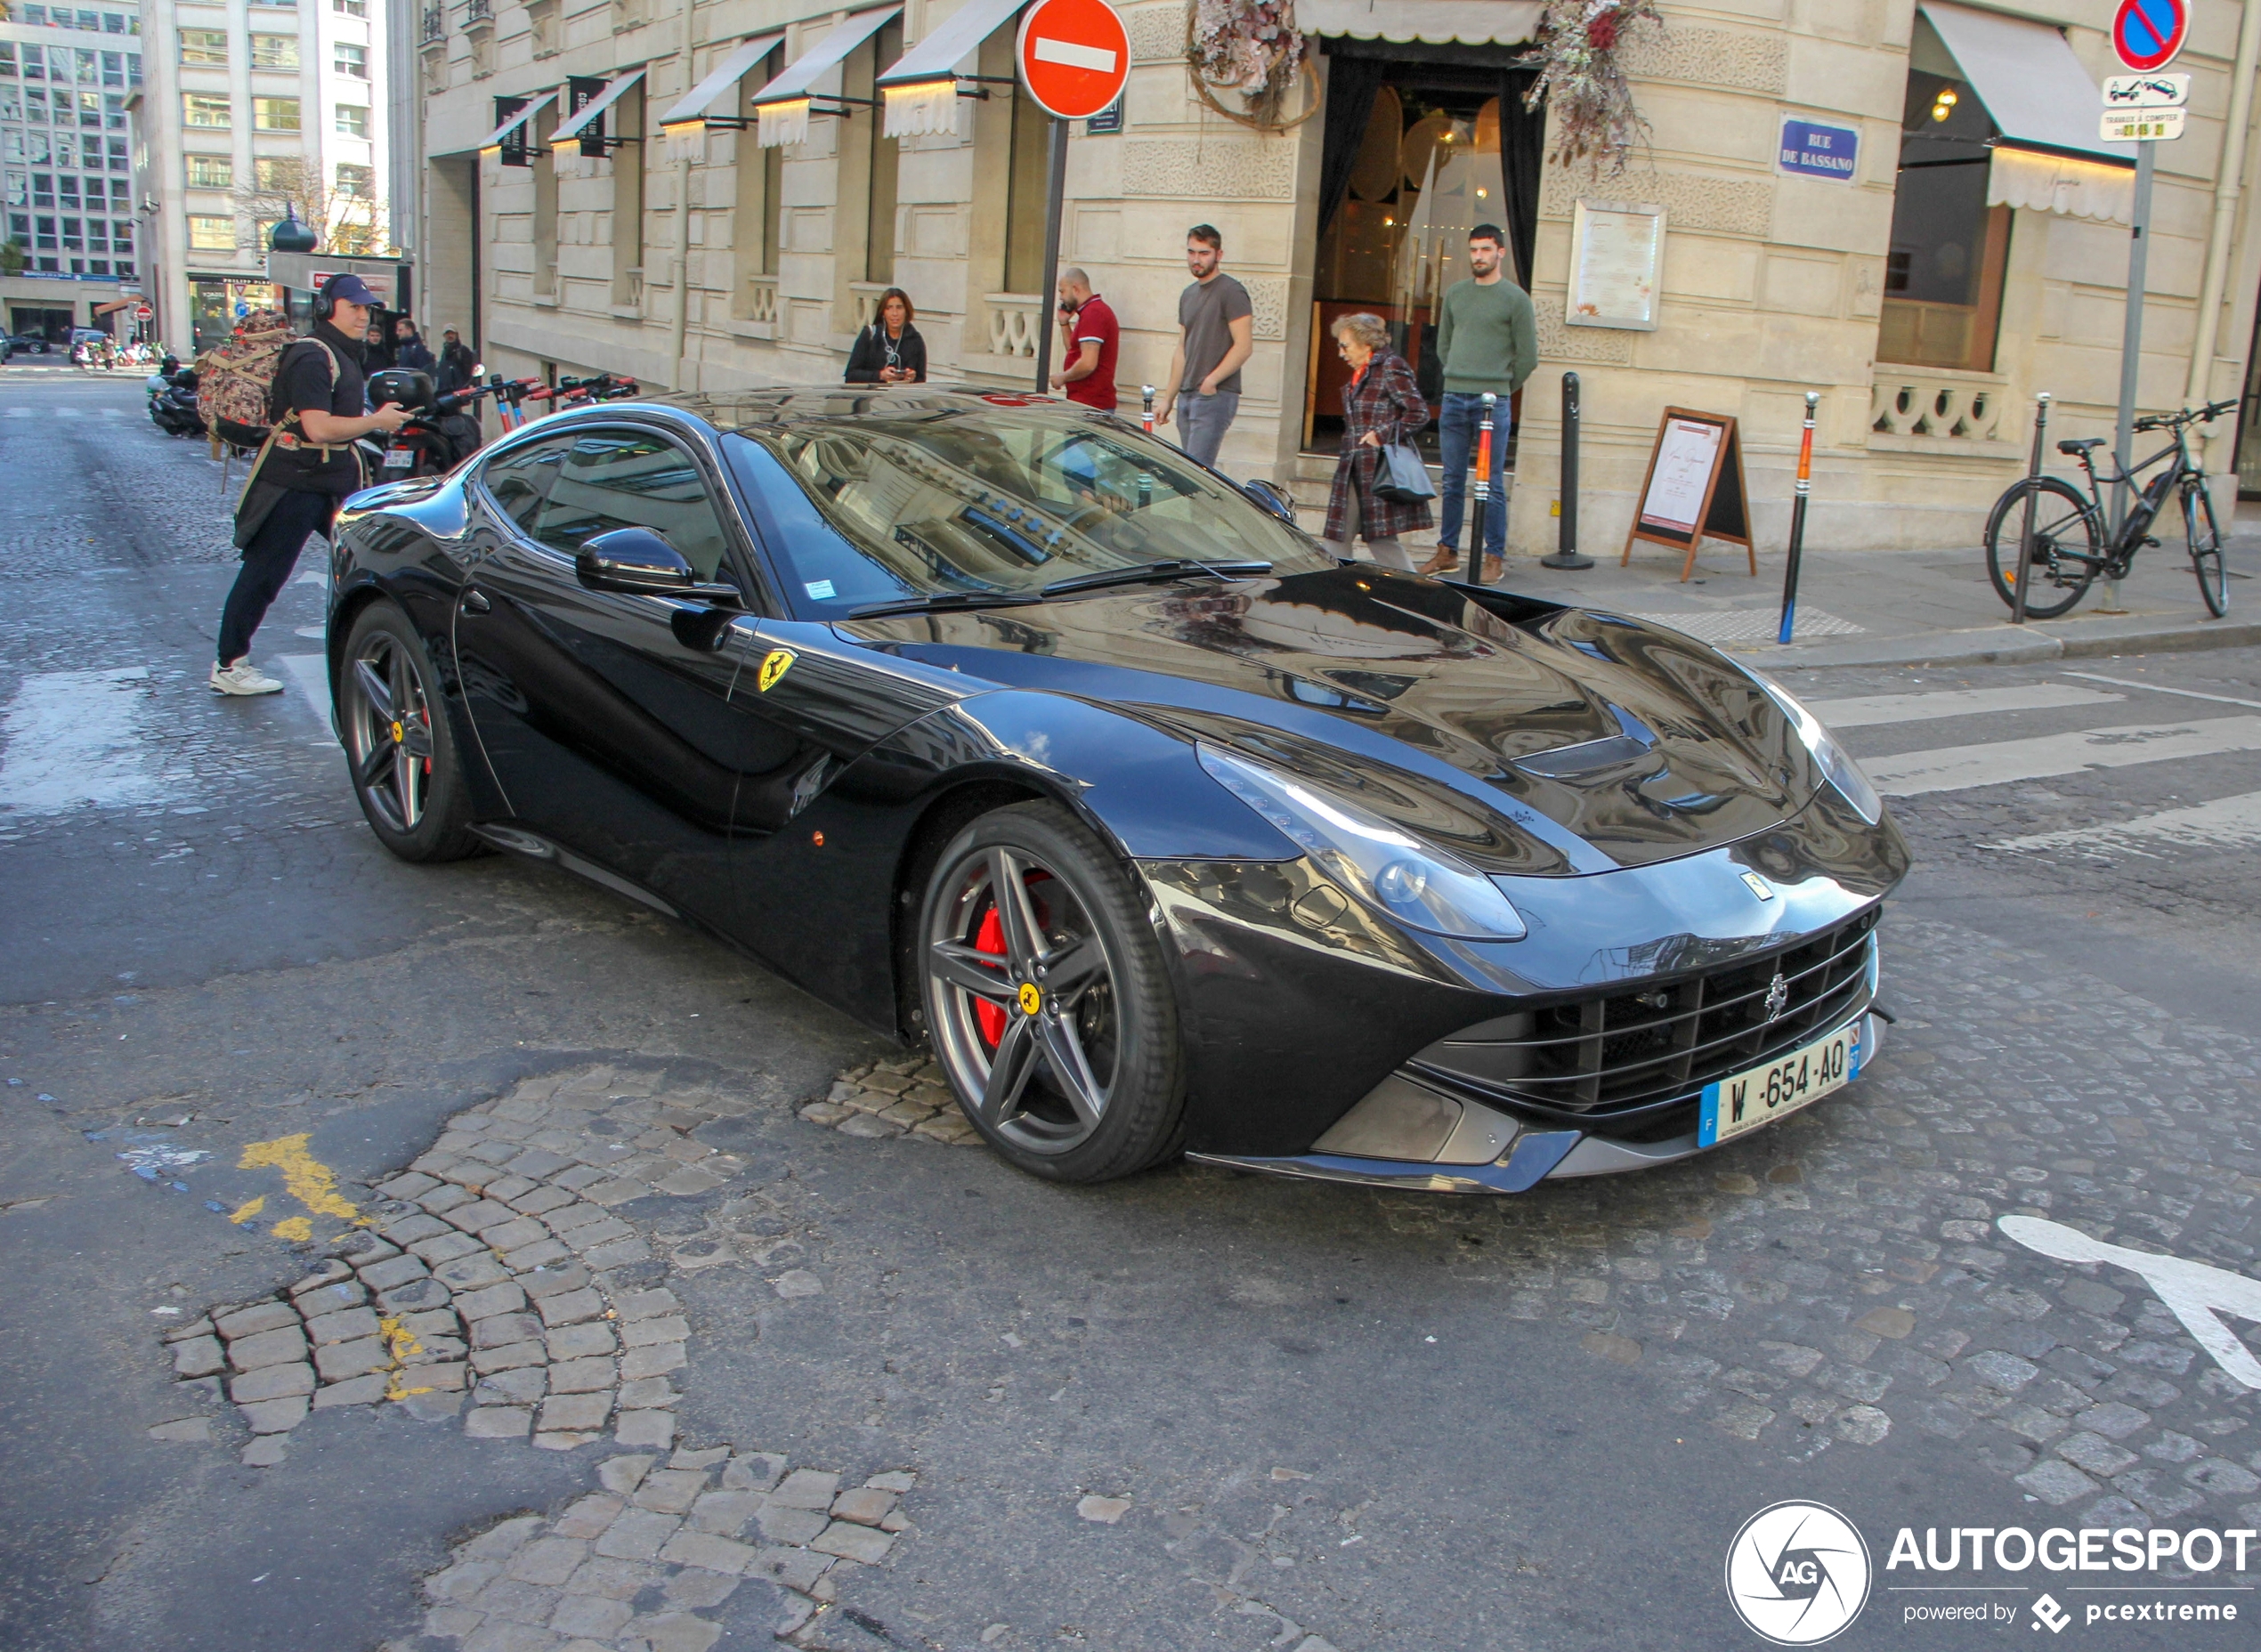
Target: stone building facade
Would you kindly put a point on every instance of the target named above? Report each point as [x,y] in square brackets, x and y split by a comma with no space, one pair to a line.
[1926,314]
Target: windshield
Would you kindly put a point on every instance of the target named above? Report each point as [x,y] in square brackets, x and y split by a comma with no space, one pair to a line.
[925,501]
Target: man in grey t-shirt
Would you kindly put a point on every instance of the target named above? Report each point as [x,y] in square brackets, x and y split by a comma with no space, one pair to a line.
[1216,332]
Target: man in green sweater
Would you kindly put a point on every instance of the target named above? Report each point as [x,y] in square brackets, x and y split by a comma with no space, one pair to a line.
[1487,339]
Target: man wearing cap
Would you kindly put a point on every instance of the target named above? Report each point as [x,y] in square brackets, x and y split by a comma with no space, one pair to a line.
[308,464]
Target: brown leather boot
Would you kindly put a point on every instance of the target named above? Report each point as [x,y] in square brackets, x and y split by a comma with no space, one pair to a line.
[1445,561]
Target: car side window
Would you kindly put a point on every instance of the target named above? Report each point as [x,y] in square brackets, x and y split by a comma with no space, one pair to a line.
[632,479]
[521,479]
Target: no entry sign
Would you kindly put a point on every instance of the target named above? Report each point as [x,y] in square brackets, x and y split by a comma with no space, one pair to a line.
[1074,56]
[2147,34]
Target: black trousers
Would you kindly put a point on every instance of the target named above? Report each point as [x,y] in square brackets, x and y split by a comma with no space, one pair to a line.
[267,563]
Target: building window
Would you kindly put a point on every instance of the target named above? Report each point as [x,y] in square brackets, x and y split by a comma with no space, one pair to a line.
[274,114]
[878,222]
[121,237]
[211,172]
[118,160]
[67,192]
[357,182]
[1942,300]
[113,69]
[42,190]
[73,240]
[204,46]
[10,103]
[278,175]
[7,58]
[352,60]
[18,188]
[350,8]
[213,234]
[274,50]
[354,120]
[1025,194]
[90,68]
[204,109]
[35,16]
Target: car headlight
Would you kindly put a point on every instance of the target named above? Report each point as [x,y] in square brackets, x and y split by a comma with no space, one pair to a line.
[1417,884]
[1835,762]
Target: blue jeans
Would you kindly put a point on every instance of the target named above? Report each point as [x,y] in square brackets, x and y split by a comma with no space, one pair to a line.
[1457,423]
[1202,422]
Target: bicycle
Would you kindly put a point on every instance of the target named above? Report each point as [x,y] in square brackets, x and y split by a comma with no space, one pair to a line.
[2063,523]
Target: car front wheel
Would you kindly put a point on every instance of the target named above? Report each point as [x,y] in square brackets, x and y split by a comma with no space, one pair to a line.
[407,774]
[1048,997]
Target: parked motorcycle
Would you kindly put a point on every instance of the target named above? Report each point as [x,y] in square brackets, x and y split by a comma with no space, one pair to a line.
[173,400]
[442,435]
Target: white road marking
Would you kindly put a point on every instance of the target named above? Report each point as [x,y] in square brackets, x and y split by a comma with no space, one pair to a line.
[2193,1293]
[2156,688]
[70,740]
[1953,768]
[309,674]
[311,578]
[2224,823]
[1869,710]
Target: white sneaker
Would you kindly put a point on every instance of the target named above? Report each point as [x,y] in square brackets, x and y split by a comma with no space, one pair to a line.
[243,677]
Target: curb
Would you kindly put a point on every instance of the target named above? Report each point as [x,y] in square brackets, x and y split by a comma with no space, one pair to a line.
[2004,644]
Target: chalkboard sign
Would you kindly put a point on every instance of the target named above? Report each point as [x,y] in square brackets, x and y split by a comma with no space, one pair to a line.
[1694,488]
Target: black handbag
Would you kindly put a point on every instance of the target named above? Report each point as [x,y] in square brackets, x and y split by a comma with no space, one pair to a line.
[1400,476]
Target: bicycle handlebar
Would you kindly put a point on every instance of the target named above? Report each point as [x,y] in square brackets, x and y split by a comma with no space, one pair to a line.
[2208,414]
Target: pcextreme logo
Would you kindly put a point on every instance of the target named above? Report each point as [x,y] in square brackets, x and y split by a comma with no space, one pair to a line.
[1797,1573]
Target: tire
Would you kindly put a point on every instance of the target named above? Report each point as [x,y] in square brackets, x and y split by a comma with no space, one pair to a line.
[2064,529]
[2206,550]
[407,773]
[1064,1052]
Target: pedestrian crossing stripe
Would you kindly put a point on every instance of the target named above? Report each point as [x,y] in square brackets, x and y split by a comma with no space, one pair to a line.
[1869,710]
[2224,823]
[1956,768]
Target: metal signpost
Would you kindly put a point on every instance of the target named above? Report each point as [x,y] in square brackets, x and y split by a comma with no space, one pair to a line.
[1075,61]
[2145,108]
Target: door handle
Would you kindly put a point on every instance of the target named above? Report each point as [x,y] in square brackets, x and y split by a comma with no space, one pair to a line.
[475,601]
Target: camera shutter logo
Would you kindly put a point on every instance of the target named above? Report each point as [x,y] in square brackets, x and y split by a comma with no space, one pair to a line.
[1797,1574]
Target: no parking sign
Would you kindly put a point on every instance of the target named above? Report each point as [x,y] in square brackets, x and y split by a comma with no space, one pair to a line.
[2147,34]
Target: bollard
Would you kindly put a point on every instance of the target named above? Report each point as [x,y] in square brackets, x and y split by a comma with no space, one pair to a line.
[1146,413]
[1797,523]
[1481,515]
[2025,533]
[1566,536]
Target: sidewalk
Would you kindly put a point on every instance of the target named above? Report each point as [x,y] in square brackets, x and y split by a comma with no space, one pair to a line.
[1902,607]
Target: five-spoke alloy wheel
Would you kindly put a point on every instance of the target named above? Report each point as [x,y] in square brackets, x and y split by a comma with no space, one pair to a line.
[397,742]
[1048,999]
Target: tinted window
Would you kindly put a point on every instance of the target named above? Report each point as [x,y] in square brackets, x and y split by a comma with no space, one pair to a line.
[630,479]
[920,498]
[521,479]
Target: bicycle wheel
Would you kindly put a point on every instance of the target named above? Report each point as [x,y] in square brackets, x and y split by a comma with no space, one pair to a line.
[2066,548]
[2206,550]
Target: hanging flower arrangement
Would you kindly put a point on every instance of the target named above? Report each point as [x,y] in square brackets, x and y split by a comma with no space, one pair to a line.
[1251,48]
[1582,84]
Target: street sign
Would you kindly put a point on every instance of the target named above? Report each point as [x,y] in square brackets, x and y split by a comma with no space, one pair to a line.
[2146,91]
[1818,151]
[2147,34]
[2140,125]
[145,314]
[1074,56]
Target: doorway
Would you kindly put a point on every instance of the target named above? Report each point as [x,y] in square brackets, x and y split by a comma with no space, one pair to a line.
[1417,152]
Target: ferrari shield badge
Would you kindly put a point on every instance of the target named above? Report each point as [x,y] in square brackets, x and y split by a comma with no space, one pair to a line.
[774,665]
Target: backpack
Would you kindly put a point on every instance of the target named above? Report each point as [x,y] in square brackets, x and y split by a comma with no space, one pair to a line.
[235,383]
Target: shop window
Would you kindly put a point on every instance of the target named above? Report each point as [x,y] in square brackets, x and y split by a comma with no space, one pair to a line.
[205,47]
[1400,190]
[211,172]
[353,120]
[1943,272]
[274,50]
[274,114]
[212,234]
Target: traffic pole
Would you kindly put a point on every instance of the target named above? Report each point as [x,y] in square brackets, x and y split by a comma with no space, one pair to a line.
[1565,538]
[1797,523]
[1055,183]
[1146,408]
[1482,513]
[2025,533]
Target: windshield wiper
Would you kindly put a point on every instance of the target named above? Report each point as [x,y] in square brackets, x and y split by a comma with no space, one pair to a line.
[944,603]
[1154,573]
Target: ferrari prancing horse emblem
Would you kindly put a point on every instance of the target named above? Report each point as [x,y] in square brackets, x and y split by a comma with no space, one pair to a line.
[1032,997]
[774,665]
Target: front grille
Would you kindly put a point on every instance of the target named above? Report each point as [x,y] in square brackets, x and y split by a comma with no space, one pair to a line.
[1657,1042]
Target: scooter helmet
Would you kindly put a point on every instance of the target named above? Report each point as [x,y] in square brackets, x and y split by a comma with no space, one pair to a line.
[407,387]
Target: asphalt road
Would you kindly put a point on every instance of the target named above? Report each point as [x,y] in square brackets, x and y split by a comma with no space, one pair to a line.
[1385,1422]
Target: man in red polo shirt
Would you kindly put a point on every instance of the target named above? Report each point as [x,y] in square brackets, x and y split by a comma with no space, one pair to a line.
[1090,338]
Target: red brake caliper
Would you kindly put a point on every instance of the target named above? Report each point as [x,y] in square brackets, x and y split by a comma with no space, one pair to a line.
[989,940]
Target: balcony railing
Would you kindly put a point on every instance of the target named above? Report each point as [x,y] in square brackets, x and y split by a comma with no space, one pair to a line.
[1013,320]
[478,12]
[435,26]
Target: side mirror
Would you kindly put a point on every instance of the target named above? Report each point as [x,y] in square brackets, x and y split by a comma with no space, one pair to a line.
[1272,498]
[641,562]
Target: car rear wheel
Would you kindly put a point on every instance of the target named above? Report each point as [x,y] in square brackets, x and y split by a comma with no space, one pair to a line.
[1048,997]
[407,774]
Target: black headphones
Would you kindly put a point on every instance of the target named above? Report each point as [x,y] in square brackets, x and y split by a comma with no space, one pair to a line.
[325,306]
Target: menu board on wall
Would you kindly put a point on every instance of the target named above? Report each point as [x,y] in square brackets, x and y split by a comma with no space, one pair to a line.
[1695,488]
[1616,250]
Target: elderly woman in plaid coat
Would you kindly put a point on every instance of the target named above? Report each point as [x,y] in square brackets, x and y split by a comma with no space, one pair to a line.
[1381,404]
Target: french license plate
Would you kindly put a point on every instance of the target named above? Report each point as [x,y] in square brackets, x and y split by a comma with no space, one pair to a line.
[399,458]
[1781,1086]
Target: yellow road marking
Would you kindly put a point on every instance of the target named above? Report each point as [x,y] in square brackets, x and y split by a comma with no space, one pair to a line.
[244,1212]
[294,1228]
[402,1345]
[305,1179]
